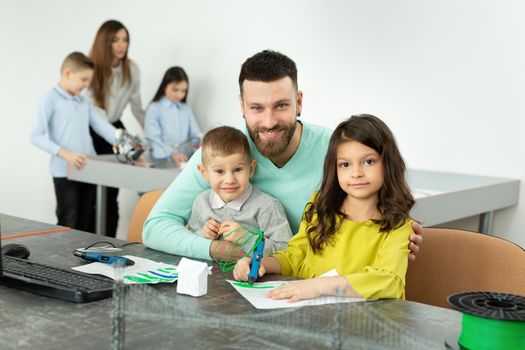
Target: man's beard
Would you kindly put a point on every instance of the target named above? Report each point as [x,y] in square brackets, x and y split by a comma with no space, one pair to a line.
[272,148]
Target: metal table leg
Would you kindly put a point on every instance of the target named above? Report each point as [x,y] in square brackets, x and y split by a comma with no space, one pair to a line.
[485,222]
[101,211]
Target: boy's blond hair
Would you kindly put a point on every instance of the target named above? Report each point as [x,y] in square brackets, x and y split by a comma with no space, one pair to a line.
[224,141]
[76,61]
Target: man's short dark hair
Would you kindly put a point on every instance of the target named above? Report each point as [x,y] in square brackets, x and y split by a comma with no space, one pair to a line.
[268,66]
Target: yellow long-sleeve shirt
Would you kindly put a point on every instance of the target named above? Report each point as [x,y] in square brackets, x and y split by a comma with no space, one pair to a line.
[373,262]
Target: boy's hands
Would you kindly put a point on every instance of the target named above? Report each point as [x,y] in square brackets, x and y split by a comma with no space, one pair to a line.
[228,226]
[242,269]
[78,160]
[211,229]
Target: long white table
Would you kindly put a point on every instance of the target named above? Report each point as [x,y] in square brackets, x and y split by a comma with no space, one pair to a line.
[440,196]
[443,197]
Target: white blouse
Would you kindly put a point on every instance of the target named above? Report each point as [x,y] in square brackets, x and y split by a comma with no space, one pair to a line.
[120,94]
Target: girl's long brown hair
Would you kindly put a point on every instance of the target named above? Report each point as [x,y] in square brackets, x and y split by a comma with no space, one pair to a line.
[102,57]
[323,215]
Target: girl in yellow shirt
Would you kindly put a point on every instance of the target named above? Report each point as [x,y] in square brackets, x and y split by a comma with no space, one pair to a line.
[358,223]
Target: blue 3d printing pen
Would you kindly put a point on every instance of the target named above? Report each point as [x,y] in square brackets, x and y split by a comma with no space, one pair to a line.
[256,262]
[103,258]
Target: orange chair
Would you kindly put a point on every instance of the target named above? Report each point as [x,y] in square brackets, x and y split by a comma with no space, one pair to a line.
[453,261]
[142,209]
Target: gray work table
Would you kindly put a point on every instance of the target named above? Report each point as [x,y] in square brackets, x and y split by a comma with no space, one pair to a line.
[163,319]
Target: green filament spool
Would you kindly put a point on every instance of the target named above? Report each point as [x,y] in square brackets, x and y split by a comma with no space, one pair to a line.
[491,321]
[251,234]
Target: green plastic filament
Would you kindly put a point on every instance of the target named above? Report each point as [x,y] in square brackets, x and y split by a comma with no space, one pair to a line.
[480,333]
[491,320]
[227,261]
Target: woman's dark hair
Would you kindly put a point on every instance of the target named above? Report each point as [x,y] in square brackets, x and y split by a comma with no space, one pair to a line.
[102,57]
[173,74]
[323,215]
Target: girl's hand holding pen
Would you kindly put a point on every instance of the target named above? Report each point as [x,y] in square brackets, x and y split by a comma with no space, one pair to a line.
[242,269]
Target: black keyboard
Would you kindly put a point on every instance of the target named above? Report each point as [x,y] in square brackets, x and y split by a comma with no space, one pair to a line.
[56,282]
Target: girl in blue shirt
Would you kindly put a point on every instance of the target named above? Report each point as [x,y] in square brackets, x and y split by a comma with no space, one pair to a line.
[169,125]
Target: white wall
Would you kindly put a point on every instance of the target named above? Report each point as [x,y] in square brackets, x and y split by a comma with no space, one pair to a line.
[447,76]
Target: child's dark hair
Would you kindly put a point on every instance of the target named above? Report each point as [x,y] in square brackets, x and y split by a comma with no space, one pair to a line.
[394,198]
[268,66]
[224,141]
[77,61]
[173,74]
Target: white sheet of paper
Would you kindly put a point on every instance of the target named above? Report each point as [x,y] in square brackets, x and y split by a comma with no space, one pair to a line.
[331,273]
[143,271]
[256,295]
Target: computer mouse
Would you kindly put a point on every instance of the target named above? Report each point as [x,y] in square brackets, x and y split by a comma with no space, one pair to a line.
[16,250]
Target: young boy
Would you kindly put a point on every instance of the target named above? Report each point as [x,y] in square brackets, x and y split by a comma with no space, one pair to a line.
[231,202]
[61,128]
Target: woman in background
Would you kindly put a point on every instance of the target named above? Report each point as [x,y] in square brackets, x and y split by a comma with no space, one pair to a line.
[115,84]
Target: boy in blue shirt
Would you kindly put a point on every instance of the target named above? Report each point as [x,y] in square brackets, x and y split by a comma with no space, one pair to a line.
[61,128]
